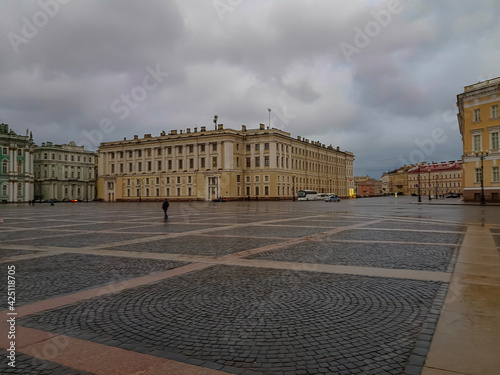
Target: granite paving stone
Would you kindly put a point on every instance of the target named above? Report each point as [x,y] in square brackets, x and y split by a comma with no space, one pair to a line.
[199,245]
[47,277]
[271,231]
[405,236]
[4,253]
[384,255]
[28,365]
[219,315]
[76,240]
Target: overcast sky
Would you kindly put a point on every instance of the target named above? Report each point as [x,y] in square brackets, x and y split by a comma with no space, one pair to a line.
[378,78]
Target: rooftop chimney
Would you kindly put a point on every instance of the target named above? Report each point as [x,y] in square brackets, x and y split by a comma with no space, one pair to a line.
[203,128]
[136,137]
[220,126]
[243,128]
[262,127]
[188,130]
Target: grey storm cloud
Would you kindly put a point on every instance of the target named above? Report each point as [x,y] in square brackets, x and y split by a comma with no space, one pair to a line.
[91,71]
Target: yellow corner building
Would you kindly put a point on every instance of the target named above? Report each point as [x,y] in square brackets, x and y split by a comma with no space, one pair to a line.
[206,164]
[480,126]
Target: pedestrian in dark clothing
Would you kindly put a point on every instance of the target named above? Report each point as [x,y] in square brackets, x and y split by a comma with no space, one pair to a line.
[165,208]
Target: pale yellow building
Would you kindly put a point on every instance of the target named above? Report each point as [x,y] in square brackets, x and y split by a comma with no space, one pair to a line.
[206,164]
[395,181]
[479,124]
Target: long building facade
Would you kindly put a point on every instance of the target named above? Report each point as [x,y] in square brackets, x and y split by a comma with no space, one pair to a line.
[206,164]
[16,161]
[64,172]
[436,179]
[479,122]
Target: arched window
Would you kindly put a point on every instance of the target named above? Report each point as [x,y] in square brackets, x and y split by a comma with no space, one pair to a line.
[5,167]
[4,190]
[19,167]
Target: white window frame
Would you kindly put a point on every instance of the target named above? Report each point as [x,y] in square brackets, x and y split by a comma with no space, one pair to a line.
[476,115]
[494,112]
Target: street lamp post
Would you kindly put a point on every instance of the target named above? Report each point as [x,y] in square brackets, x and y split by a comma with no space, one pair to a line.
[430,189]
[419,197]
[481,155]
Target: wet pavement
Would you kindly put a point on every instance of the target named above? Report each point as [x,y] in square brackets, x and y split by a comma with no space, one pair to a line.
[367,286]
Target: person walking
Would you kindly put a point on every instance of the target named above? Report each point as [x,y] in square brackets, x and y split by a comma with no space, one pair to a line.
[165,208]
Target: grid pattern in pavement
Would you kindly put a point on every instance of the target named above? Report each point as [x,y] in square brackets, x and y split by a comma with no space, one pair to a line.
[55,275]
[383,255]
[246,318]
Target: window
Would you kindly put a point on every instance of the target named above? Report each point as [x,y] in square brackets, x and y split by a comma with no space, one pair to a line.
[238,178]
[202,162]
[496,176]
[257,161]
[45,155]
[159,165]
[237,162]
[477,142]
[257,179]
[149,165]
[168,180]
[214,146]
[66,157]
[170,164]
[130,154]
[248,147]
[5,151]
[157,180]
[248,162]
[72,157]
[149,152]
[169,151]
[257,147]
[266,146]
[189,179]
[180,164]
[4,167]
[257,190]
[78,157]
[479,175]
[214,161]
[139,153]
[178,180]
[202,148]
[139,167]
[179,150]
[159,152]
[147,181]
[494,140]
[191,163]
[20,153]
[4,190]
[266,178]
[191,149]
[130,168]
[266,161]
[266,190]
[477,115]
[494,111]
[19,167]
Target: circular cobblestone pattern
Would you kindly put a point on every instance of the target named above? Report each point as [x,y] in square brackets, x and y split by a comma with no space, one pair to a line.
[268,321]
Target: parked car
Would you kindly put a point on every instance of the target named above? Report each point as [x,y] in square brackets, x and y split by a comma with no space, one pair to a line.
[332,198]
[220,199]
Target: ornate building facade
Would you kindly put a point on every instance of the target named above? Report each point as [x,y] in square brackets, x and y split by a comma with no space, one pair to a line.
[64,172]
[16,161]
[258,163]
[436,179]
[479,122]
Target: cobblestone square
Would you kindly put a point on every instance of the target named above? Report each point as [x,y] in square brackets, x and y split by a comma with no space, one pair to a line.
[233,288]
